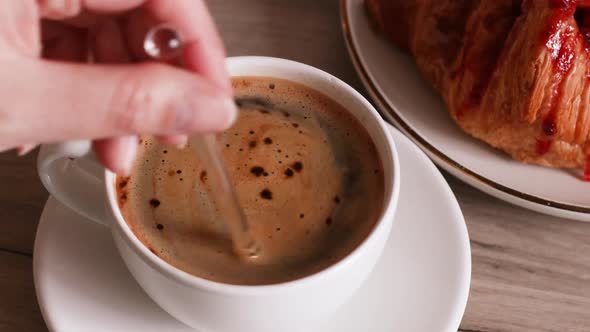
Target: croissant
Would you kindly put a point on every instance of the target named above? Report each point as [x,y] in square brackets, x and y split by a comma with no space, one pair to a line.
[515,74]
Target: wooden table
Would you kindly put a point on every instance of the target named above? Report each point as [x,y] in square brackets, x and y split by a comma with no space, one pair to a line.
[531,272]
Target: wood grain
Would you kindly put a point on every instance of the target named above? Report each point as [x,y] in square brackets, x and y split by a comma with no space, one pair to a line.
[531,272]
[22,197]
[18,308]
[307,31]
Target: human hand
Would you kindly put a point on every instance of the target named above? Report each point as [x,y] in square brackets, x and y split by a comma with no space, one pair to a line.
[49,92]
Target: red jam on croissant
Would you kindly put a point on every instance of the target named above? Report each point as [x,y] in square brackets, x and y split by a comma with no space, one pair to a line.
[513,73]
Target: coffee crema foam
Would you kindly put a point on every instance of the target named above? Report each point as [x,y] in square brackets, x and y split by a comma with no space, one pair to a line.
[306,173]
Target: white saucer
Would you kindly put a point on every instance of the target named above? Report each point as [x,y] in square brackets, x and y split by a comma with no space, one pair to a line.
[420,284]
[408,101]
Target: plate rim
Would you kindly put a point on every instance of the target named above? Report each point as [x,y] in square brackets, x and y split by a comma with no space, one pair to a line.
[467,175]
[467,276]
[48,208]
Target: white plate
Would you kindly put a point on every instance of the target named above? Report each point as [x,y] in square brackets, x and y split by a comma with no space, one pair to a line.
[409,102]
[420,284]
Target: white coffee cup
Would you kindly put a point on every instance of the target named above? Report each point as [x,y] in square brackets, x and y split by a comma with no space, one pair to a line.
[89,189]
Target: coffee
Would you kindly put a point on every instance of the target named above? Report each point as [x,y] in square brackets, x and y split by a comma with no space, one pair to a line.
[307,175]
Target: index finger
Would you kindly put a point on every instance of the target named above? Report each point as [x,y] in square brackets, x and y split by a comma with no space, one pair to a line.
[204,52]
[191,17]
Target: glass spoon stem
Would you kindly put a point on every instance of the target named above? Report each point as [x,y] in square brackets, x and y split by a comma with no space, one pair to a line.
[164,43]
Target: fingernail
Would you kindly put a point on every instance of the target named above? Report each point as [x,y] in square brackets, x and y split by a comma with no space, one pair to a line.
[128,150]
[24,149]
[182,141]
[232,111]
[192,117]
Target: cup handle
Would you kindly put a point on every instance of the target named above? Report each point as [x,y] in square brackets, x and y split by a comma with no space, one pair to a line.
[71,173]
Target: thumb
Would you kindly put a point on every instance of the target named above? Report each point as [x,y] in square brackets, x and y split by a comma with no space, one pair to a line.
[49,101]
